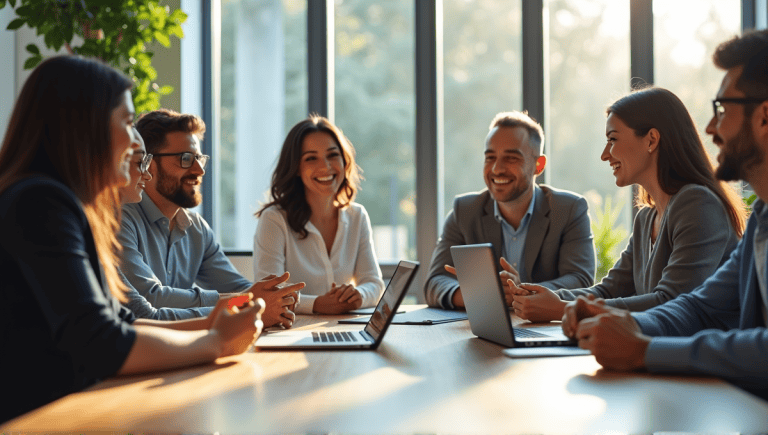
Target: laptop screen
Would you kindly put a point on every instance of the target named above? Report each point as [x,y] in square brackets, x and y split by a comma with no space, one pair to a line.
[390,300]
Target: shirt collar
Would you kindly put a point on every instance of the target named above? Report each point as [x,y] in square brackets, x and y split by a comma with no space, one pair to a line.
[154,214]
[500,218]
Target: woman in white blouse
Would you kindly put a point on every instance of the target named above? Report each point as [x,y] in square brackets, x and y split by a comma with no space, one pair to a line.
[312,228]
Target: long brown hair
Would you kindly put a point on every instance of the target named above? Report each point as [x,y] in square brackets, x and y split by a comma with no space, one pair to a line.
[60,127]
[287,188]
[682,158]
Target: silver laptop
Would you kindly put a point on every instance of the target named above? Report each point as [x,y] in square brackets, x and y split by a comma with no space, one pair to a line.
[368,337]
[487,309]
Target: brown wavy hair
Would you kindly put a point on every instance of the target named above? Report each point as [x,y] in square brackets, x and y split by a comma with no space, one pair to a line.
[154,126]
[682,158]
[61,127]
[287,191]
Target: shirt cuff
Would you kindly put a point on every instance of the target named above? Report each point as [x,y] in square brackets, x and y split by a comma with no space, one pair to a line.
[306,304]
[208,298]
[447,301]
[667,354]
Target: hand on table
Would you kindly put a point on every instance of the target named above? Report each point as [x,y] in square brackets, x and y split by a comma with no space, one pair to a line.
[457,299]
[279,299]
[338,300]
[238,328]
[534,302]
[611,334]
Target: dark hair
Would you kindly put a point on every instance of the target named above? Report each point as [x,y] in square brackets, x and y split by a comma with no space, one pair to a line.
[154,126]
[682,158]
[750,51]
[61,127]
[521,119]
[287,189]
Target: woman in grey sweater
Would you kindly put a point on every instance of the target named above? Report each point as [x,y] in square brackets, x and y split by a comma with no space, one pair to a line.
[688,223]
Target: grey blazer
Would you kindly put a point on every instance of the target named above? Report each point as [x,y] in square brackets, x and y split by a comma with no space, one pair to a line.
[559,252]
[695,238]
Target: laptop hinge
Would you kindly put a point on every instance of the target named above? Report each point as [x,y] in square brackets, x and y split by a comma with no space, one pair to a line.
[367,336]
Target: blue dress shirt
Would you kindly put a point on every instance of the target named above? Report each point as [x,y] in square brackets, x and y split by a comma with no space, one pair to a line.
[514,239]
[174,269]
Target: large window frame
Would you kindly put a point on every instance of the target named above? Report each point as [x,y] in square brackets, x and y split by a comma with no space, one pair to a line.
[428,88]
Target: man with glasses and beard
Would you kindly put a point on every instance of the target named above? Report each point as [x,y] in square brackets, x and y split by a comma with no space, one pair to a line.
[719,328]
[170,254]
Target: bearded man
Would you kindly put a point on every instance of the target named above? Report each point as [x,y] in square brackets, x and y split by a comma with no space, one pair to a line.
[170,254]
[539,234]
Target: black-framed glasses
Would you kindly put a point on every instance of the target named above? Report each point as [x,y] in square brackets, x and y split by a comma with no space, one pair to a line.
[717,104]
[144,163]
[186,158]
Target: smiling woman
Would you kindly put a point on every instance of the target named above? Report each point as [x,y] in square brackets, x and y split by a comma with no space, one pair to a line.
[312,228]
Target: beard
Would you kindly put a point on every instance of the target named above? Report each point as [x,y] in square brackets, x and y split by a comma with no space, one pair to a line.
[739,155]
[520,187]
[173,190]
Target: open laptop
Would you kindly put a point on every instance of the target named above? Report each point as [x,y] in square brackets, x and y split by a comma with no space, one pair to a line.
[368,337]
[487,309]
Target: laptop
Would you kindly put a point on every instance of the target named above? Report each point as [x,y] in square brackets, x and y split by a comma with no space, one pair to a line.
[369,337]
[486,306]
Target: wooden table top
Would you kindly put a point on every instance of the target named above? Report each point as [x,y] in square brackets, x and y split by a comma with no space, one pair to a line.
[422,379]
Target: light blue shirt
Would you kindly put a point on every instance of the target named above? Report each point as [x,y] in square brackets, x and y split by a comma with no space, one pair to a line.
[174,269]
[514,239]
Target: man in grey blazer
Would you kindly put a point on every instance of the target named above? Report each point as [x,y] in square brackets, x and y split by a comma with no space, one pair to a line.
[719,328]
[539,234]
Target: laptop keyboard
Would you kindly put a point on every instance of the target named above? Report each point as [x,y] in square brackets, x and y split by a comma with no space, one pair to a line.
[334,337]
[528,333]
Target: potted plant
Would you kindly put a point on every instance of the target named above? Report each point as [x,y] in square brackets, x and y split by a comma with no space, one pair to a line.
[115,31]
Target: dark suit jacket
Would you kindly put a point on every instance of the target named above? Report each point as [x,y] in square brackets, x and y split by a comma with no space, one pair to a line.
[559,252]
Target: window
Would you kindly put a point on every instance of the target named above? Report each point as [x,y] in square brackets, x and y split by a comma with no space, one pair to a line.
[685,34]
[263,94]
[375,107]
[588,70]
[483,76]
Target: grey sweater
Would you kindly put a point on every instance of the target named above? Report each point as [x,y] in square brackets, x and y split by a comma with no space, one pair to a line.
[695,238]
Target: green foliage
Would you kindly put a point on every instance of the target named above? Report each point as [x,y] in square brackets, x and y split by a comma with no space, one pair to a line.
[748,200]
[115,31]
[607,237]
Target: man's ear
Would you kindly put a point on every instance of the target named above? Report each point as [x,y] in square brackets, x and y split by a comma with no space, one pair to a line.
[541,163]
[653,136]
[760,123]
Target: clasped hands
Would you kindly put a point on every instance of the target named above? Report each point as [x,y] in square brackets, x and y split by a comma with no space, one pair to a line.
[339,299]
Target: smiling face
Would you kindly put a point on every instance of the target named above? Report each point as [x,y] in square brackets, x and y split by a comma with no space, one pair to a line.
[510,164]
[122,140]
[322,166]
[628,154]
[732,133]
[132,192]
[175,184]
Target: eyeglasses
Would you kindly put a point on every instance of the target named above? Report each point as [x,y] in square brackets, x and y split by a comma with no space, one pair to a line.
[144,163]
[717,104]
[186,159]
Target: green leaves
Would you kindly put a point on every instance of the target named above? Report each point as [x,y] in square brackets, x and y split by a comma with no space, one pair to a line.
[115,31]
[15,24]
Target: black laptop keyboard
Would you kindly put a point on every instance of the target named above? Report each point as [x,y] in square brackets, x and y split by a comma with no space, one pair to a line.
[528,333]
[334,337]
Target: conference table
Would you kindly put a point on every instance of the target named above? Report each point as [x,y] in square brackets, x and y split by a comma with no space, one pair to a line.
[422,379]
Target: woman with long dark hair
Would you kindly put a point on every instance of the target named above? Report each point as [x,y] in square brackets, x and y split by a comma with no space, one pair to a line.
[67,150]
[688,222]
[312,228]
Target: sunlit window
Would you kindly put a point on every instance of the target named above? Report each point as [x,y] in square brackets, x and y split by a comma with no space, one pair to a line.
[483,76]
[685,34]
[588,69]
[263,94]
[375,107]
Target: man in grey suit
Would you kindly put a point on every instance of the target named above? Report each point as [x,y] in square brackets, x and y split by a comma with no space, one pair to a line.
[720,327]
[540,234]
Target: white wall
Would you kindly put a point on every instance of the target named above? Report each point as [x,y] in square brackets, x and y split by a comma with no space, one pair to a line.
[7,69]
